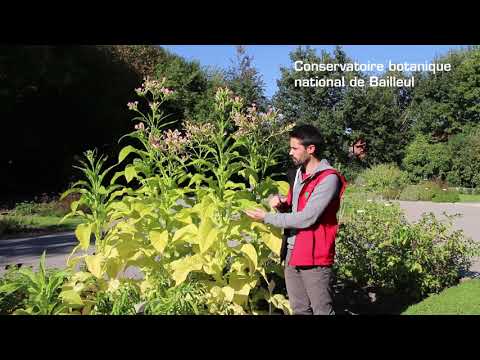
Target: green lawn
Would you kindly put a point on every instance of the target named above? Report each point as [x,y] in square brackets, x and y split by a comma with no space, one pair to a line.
[463,299]
[469,198]
[14,225]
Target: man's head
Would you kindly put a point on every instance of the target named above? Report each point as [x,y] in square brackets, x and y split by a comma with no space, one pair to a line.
[359,149]
[305,143]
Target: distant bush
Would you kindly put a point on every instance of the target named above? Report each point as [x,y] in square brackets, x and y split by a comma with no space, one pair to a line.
[12,225]
[429,191]
[456,161]
[465,164]
[446,195]
[426,160]
[45,205]
[385,179]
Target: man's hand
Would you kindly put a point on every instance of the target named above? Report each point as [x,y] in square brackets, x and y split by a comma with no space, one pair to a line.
[256,214]
[276,201]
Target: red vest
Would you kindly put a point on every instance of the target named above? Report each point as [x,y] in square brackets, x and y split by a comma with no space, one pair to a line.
[315,245]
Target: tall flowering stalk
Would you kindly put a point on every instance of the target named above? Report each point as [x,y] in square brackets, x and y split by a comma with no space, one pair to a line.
[212,148]
[256,131]
[164,150]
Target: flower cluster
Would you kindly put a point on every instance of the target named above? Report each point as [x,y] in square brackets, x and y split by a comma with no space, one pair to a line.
[156,87]
[265,124]
[199,132]
[174,142]
[133,105]
[140,126]
[154,141]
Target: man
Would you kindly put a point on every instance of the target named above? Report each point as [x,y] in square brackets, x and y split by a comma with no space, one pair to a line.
[358,149]
[309,248]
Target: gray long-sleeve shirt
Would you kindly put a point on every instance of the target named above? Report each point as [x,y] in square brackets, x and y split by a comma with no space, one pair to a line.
[318,201]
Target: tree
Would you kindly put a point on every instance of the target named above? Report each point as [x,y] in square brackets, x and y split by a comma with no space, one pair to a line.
[245,80]
[58,101]
[377,115]
[446,101]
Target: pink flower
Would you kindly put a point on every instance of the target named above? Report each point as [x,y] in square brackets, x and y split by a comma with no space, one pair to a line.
[140,126]
[132,105]
[166,91]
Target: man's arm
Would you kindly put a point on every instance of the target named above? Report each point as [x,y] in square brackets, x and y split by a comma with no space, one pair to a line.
[319,199]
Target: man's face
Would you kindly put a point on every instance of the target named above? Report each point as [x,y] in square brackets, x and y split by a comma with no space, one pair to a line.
[300,154]
[359,149]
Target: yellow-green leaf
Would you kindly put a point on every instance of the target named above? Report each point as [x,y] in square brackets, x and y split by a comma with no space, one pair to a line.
[207,234]
[187,233]
[159,240]
[256,225]
[229,292]
[81,276]
[71,297]
[240,284]
[279,301]
[130,173]
[94,264]
[273,242]
[83,232]
[251,253]
[182,267]
[252,180]
[283,187]
[124,152]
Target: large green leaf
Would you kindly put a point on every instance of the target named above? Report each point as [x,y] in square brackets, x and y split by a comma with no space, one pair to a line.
[229,293]
[94,264]
[130,172]
[272,241]
[283,187]
[159,239]
[125,152]
[279,301]
[207,234]
[83,233]
[71,297]
[251,253]
[182,267]
[187,233]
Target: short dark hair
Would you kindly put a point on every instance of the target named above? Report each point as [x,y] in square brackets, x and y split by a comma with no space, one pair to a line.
[308,135]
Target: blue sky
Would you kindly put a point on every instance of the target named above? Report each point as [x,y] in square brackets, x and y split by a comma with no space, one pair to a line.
[269,58]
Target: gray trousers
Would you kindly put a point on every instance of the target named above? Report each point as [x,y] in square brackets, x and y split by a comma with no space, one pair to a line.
[310,289]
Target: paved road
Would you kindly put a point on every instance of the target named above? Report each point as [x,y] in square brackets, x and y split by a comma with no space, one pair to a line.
[28,250]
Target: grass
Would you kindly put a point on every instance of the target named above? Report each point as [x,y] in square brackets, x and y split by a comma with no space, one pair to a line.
[469,198]
[463,299]
[15,225]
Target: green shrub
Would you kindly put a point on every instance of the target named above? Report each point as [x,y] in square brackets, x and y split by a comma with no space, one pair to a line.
[426,160]
[385,179]
[12,224]
[377,247]
[447,195]
[465,165]
[412,193]
[11,301]
[50,208]
[39,291]
[430,191]
[456,160]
